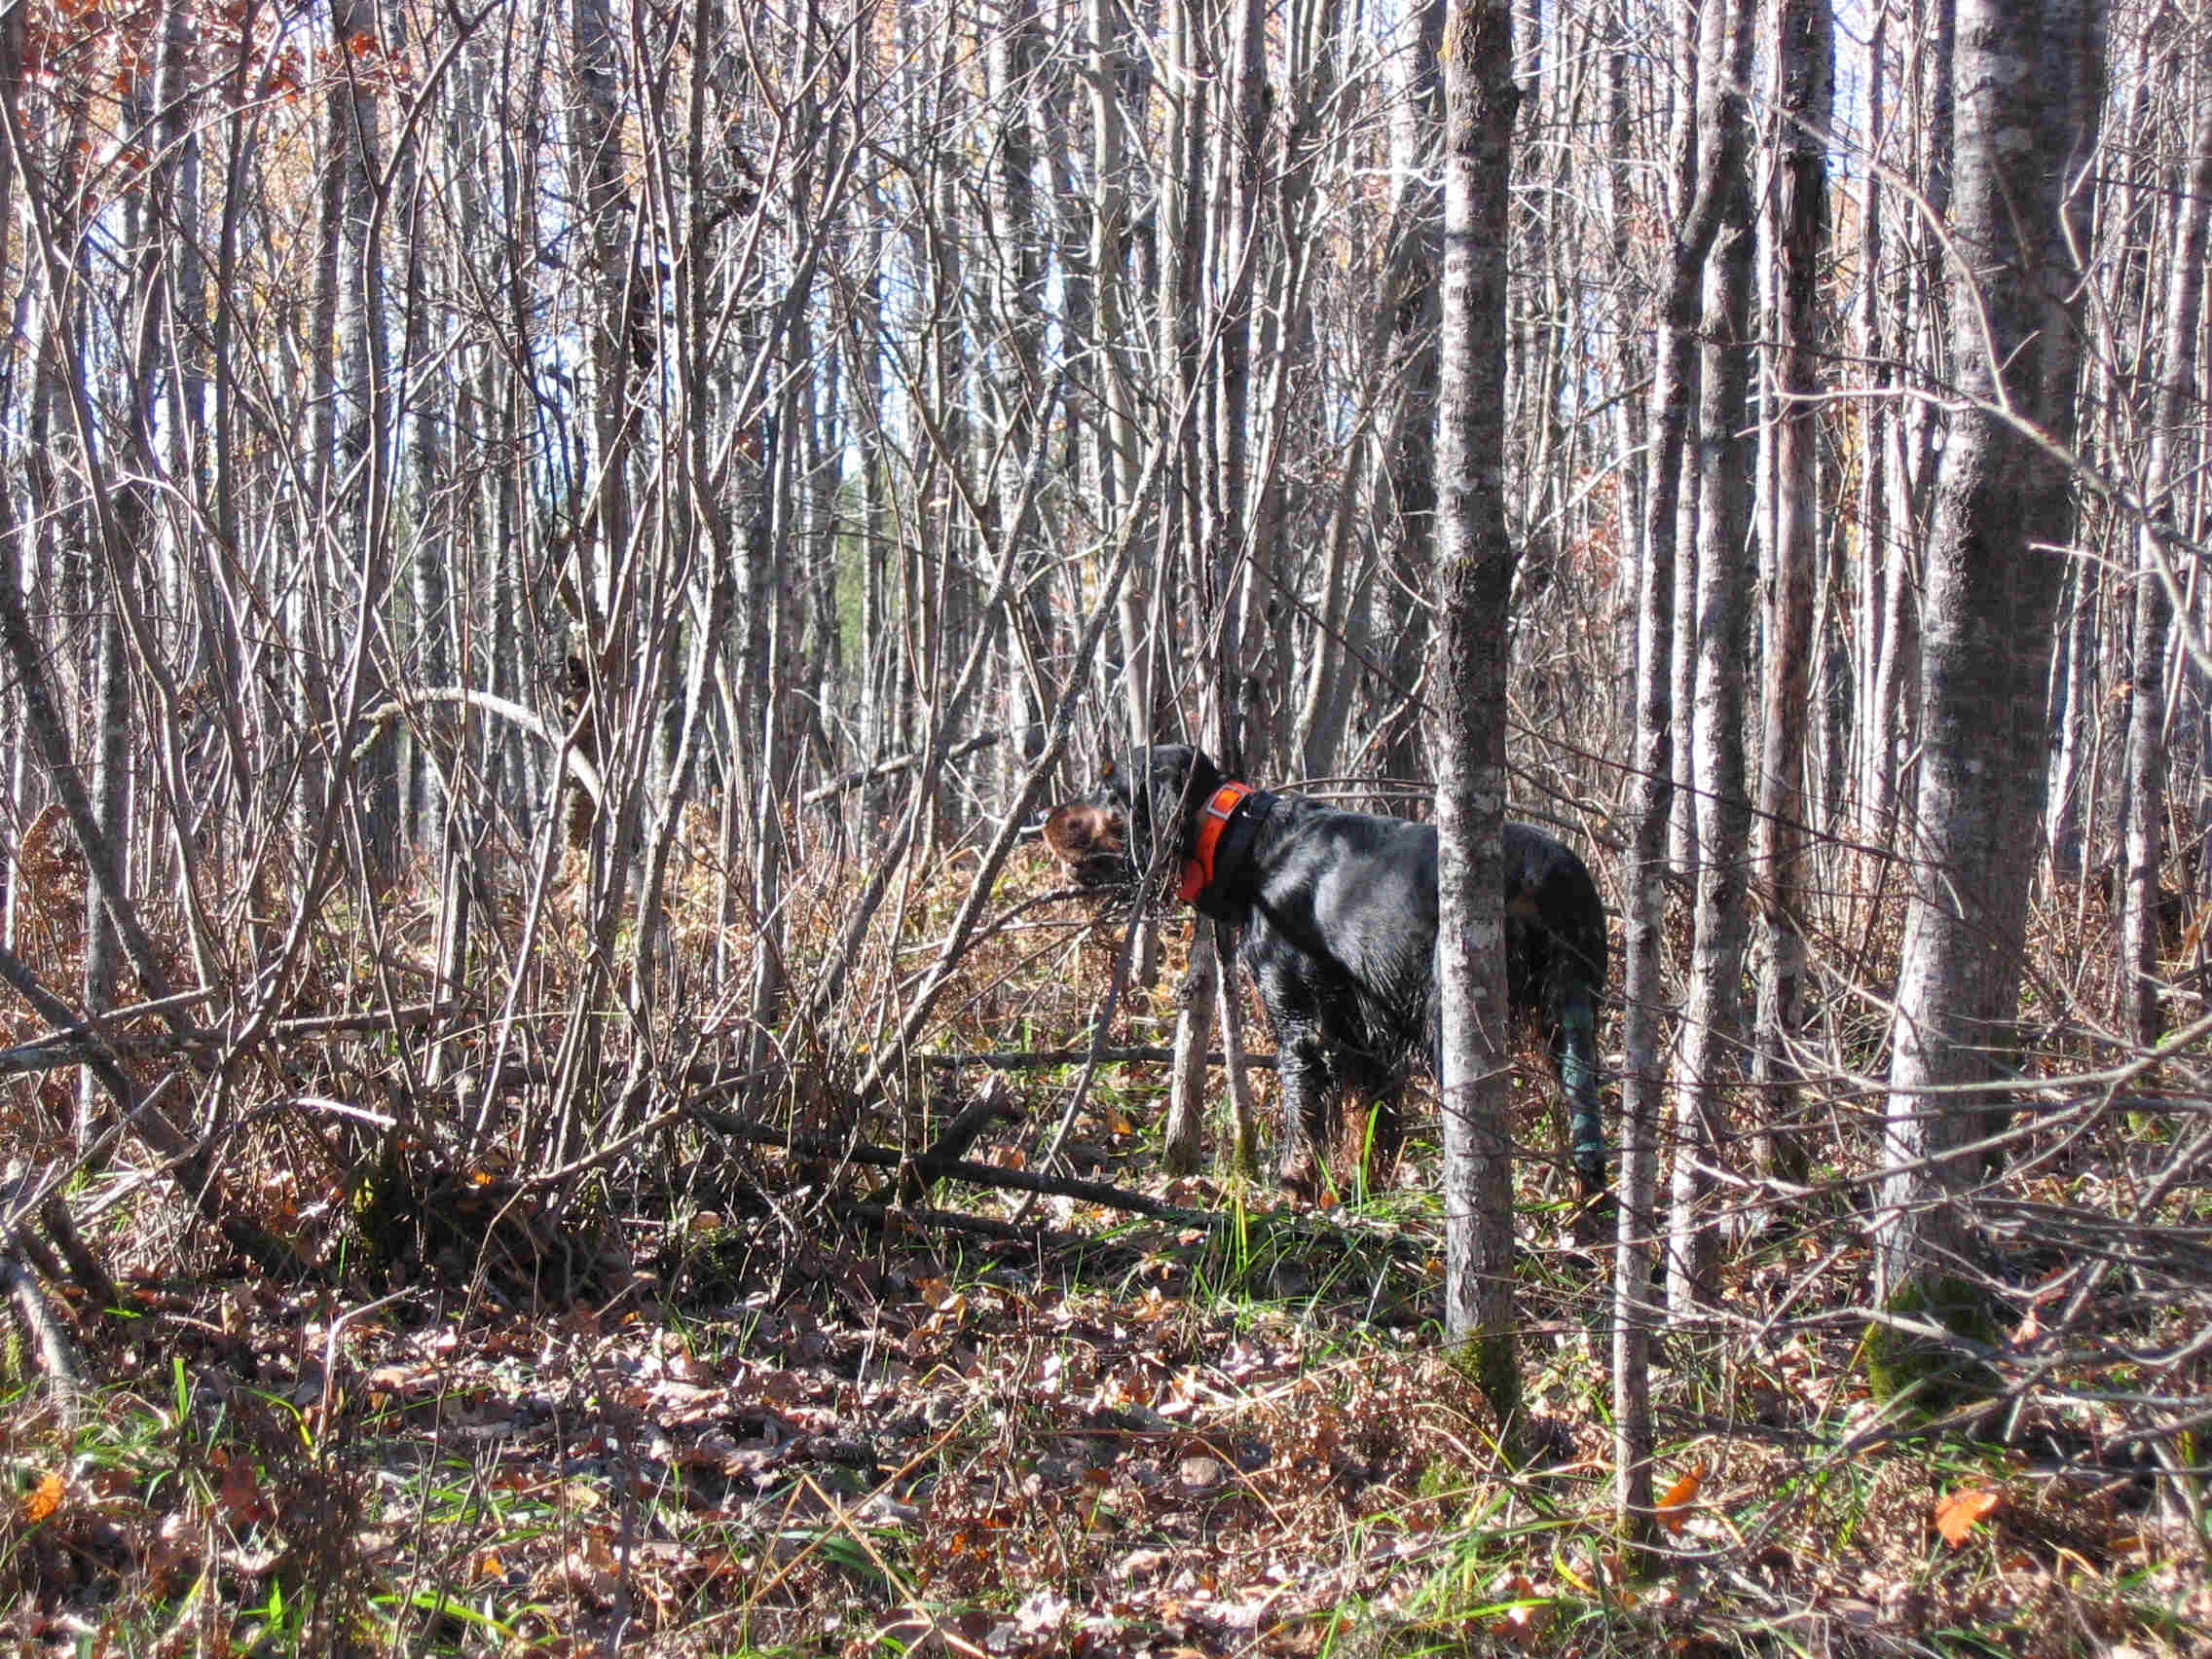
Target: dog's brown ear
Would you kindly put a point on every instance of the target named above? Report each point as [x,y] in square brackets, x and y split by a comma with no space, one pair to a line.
[1079,832]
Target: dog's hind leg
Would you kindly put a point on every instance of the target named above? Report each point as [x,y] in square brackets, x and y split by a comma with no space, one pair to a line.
[1574,1052]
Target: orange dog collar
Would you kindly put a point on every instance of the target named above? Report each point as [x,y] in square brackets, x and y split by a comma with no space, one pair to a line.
[1197,874]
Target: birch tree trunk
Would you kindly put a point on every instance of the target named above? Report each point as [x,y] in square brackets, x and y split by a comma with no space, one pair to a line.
[1690,190]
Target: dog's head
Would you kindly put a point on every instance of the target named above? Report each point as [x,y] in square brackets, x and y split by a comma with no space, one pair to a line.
[1138,821]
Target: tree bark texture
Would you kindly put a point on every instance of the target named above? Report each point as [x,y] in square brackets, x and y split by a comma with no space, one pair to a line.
[2176,420]
[2002,522]
[1474,580]
[1805,67]
[1711,1056]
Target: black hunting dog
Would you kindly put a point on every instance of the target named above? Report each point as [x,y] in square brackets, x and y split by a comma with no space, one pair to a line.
[1337,914]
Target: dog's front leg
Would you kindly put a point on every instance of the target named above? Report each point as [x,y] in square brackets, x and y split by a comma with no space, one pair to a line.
[1289,983]
[1302,1066]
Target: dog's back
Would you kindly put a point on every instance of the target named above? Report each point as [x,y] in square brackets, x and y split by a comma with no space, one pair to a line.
[1333,893]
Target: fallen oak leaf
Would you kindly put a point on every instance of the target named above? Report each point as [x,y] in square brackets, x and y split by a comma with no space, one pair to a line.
[1672,1508]
[43,1500]
[240,1497]
[1957,1515]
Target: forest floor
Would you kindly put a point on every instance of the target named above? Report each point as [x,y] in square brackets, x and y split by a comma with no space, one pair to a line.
[793,1421]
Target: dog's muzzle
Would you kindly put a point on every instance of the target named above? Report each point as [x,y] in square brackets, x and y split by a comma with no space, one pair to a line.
[1091,843]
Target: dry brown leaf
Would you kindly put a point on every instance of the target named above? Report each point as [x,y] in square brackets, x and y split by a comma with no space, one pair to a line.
[939,1295]
[1525,1621]
[1957,1515]
[44,1498]
[590,1570]
[240,1499]
[1678,1498]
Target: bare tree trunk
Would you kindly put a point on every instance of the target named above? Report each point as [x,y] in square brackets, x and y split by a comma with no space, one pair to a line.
[2175,411]
[1681,491]
[1015,55]
[1244,139]
[1410,464]
[1992,590]
[121,551]
[1645,993]
[2132,215]
[1343,631]
[1805,54]
[14,736]
[1181,244]
[1713,1022]
[111,803]
[763,649]
[2076,696]
[1630,412]
[359,506]
[1891,718]
[605,639]
[1182,1141]
[1114,437]
[1474,583]
[1875,415]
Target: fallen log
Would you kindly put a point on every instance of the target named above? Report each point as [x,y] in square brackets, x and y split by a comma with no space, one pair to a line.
[927,1169]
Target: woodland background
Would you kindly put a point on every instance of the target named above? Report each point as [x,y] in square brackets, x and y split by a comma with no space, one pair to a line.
[549,553]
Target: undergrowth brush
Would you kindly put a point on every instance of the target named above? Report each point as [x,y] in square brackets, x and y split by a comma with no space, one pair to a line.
[684,1372]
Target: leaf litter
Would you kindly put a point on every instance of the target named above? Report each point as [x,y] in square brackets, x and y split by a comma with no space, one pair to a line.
[1089,1437]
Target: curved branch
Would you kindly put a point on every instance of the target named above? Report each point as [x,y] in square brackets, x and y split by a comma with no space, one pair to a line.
[491,703]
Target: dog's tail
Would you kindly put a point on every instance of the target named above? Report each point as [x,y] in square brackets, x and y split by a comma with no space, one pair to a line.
[1578,1079]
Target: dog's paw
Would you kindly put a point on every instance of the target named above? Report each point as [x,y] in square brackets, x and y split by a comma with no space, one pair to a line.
[1594,1222]
[1300,1182]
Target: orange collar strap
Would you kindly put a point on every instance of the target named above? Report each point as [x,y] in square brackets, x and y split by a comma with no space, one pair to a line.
[1197,874]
